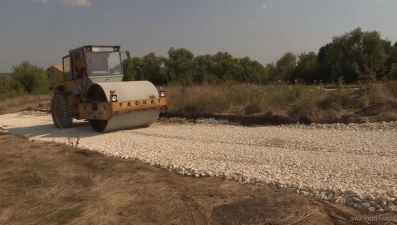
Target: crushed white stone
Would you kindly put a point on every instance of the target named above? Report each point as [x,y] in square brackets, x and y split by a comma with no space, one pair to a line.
[351,164]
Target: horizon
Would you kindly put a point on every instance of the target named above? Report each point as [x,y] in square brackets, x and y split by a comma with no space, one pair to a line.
[43,31]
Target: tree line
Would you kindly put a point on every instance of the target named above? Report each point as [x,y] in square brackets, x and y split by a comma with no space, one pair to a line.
[356,57]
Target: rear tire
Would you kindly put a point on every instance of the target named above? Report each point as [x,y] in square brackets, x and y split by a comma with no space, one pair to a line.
[60,112]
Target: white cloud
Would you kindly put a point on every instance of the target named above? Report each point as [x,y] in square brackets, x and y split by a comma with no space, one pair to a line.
[77,2]
[266,5]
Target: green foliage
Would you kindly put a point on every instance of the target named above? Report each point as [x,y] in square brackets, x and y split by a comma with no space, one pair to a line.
[307,68]
[181,67]
[8,88]
[25,79]
[354,57]
[286,65]
[29,78]
[180,64]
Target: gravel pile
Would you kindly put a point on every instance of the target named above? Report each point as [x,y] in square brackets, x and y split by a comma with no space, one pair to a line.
[348,164]
[201,121]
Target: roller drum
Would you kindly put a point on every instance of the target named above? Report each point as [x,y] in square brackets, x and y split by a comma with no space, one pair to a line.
[126,91]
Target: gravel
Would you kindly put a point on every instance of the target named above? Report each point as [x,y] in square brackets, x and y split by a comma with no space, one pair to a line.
[351,164]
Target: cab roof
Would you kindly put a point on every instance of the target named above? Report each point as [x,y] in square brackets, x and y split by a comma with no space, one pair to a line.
[84,47]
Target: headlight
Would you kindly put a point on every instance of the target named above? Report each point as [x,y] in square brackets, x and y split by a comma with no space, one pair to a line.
[114,98]
[162,93]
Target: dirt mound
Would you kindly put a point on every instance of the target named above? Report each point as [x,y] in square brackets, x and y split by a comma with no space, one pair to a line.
[259,119]
[378,108]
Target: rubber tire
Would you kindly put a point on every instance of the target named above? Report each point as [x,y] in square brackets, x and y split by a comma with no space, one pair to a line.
[65,119]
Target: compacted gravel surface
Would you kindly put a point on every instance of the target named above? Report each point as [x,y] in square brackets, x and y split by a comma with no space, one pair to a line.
[348,164]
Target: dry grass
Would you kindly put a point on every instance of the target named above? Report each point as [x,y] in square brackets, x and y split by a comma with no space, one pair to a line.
[48,183]
[240,99]
[24,102]
[271,104]
[297,102]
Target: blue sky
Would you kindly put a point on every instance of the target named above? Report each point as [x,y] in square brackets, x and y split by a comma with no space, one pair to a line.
[42,31]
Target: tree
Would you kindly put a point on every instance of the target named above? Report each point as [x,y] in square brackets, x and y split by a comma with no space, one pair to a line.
[285,66]
[225,66]
[132,68]
[252,71]
[372,57]
[354,55]
[272,70]
[205,69]
[151,69]
[180,66]
[306,68]
[391,64]
[30,78]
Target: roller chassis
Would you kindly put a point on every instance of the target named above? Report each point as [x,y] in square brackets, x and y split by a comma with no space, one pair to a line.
[70,103]
[105,110]
[94,110]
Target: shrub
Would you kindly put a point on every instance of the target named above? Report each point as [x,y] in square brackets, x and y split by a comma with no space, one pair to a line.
[331,102]
[30,78]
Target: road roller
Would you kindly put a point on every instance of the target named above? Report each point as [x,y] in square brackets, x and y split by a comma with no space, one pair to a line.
[91,88]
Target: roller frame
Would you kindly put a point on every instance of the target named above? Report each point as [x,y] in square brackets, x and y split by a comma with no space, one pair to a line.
[106,110]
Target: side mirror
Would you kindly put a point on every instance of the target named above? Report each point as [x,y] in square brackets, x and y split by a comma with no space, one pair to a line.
[128,54]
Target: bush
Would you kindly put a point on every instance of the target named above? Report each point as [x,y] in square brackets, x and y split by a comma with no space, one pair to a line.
[30,78]
[331,102]
[9,88]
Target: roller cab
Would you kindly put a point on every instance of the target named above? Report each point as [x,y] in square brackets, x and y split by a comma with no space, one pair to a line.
[93,89]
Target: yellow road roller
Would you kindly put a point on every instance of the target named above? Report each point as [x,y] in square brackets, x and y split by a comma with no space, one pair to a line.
[91,88]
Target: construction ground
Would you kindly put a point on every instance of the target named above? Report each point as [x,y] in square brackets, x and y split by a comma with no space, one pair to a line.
[52,183]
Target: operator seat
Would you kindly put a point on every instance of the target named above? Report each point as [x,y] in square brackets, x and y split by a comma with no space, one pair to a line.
[80,68]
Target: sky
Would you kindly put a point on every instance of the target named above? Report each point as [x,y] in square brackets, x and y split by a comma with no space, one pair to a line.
[43,31]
